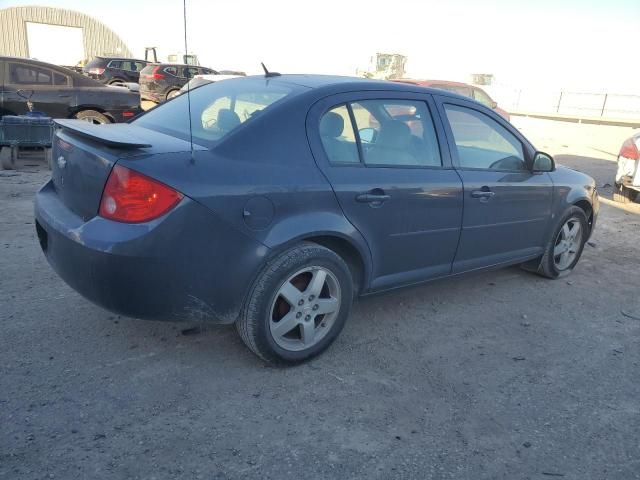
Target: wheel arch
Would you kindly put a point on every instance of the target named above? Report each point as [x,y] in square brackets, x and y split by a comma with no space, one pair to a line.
[587,208]
[81,108]
[355,253]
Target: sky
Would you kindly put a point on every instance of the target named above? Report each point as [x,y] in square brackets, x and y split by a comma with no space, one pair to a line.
[584,45]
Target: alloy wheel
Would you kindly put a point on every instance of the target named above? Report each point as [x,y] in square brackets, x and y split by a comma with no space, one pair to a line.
[93,119]
[568,243]
[304,308]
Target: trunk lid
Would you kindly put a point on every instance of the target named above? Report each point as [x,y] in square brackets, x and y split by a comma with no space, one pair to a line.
[84,154]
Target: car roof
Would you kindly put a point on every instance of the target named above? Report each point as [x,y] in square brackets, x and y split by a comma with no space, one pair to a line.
[335,84]
[167,64]
[434,82]
[121,58]
[52,66]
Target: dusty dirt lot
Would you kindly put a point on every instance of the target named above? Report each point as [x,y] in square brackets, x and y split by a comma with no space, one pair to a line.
[500,375]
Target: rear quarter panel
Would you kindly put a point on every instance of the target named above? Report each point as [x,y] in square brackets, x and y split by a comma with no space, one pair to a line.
[262,181]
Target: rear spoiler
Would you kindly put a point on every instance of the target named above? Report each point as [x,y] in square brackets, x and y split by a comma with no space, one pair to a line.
[116,135]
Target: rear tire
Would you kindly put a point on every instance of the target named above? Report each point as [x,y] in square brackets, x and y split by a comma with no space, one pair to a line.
[310,289]
[92,116]
[8,157]
[565,247]
[117,81]
[622,194]
[48,157]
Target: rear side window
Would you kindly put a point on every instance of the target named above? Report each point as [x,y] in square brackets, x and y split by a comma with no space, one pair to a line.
[338,137]
[217,109]
[482,143]
[171,71]
[391,133]
[115,64]
[21,74]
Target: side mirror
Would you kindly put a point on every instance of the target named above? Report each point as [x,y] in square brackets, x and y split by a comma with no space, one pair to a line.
[367,135]
[543,162]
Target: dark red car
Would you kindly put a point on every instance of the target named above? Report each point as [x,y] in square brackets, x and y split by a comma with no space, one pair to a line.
[463,89]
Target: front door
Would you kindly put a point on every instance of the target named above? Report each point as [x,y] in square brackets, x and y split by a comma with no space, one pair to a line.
[389,167]
[507,207]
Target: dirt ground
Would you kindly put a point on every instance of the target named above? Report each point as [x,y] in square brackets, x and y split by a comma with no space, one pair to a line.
[499,375]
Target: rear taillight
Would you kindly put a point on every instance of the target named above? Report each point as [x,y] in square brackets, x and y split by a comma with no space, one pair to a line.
[156,74]
[96,71]
[128,114]
[630,150]
[132,197]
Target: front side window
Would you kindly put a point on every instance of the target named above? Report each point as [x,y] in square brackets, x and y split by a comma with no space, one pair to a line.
[22,74]
[60,79]
[483,143]
[190,72]
[396,133]
[217,109]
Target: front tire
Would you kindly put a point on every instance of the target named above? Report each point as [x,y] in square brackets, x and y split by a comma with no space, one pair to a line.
[298,305]
[565,245]
[622,194]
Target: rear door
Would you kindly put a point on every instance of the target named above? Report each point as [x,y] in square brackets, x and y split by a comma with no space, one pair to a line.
[507,207]
[49,90]
[390,169]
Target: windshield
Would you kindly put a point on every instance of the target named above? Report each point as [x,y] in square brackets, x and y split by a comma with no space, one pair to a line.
[216,109]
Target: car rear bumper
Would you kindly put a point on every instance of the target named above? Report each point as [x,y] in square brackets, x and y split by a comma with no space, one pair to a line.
[628,173]
[179,267]
[154,96]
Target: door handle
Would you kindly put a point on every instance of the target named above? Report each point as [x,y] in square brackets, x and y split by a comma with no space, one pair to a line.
[369,197]
[64,96]
[482,193]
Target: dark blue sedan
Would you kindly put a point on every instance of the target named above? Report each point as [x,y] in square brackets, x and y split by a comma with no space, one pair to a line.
[271,202]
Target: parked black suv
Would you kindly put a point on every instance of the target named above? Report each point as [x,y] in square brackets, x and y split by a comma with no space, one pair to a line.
[61,93]
[114,70]
[162,81]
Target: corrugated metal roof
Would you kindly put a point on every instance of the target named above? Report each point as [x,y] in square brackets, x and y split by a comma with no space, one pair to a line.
[98,38]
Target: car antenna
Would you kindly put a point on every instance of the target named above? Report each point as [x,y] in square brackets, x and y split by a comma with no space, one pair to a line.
[267,73]
[186,52]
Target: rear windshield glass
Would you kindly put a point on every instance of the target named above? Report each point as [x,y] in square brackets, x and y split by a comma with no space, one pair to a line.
[216,109]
